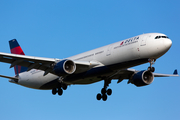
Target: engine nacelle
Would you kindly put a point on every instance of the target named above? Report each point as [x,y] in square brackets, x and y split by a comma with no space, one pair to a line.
[64,67]
[142,78]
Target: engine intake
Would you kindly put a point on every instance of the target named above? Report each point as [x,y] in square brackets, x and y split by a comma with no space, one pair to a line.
[65,67]
[142,78]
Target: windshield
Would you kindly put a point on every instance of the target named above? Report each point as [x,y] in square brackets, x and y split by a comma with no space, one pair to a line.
[157,37]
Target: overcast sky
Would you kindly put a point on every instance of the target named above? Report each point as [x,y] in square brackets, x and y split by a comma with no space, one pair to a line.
[63,28]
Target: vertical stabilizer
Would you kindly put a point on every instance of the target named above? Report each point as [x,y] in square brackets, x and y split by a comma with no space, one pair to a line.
[16,49]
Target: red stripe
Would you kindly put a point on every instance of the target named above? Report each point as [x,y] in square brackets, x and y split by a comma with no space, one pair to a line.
[122,43]
[19,69]
[17,50]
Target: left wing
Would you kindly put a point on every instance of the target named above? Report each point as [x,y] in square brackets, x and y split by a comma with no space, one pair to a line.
[45,64]
[27,61]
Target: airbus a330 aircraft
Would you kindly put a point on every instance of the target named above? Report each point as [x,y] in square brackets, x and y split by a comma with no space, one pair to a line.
[105,63]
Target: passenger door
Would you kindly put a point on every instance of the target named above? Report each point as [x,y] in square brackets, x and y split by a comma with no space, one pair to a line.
[143,41]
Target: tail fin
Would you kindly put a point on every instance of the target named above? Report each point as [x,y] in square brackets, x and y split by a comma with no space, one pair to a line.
[175,72]
[16,49]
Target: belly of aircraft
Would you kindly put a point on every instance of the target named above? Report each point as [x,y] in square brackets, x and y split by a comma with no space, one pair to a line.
[101,73]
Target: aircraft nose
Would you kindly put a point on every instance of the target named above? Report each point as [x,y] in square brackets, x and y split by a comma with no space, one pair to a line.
[167,43]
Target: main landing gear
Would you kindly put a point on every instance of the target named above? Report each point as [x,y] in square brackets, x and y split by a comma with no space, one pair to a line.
[60,89]
[151,61]
[104,91]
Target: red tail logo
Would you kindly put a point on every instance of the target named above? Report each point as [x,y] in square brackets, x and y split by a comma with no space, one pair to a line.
[16,49]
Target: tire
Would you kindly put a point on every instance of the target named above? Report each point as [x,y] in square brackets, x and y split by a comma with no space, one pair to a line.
[60,91]
[98,96]
[104,97]
[103,91]
[109,92]
[152,69]
[54,91]
[64,86]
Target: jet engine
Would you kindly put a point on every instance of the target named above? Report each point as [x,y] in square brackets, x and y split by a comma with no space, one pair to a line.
[142,78]
[64,67]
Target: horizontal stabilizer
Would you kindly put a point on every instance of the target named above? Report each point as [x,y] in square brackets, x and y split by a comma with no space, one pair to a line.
[13,78]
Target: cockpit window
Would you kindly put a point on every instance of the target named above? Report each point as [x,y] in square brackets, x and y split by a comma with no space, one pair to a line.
[157,37]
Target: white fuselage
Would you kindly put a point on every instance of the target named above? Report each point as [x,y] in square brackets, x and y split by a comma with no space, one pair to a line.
[142,47]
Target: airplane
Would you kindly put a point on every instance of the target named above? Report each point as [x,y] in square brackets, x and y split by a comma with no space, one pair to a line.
[110,62]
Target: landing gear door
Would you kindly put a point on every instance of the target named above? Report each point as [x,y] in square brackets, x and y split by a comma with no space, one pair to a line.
[143,41]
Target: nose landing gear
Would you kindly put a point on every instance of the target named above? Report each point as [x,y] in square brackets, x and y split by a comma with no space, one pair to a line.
[151,61]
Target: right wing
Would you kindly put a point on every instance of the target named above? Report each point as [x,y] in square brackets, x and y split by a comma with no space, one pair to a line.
[175,74]
[128,74]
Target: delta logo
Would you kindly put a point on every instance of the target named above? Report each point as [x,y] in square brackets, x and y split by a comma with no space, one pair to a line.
[122,43]
[129,41]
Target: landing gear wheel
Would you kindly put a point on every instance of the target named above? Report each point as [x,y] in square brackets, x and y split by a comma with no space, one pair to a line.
[151,61]
[103,91]
[98,96]
[54,91]
[104,97]
[152,69]
[60,91]
[64,86]
[109,92]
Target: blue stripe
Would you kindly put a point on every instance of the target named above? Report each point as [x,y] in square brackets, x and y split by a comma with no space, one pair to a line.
[23,69]
[13,43]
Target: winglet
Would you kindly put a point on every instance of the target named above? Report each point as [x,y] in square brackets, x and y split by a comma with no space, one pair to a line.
[175,72]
